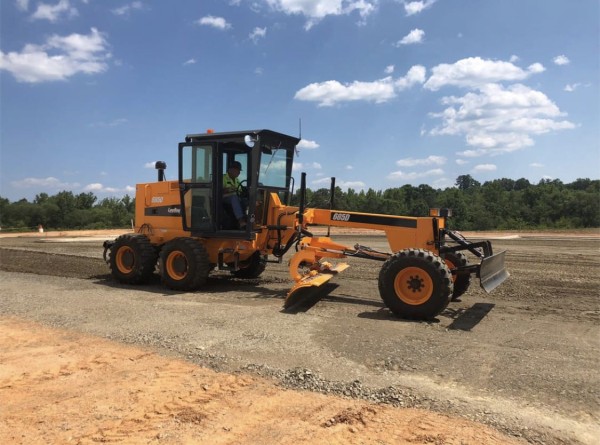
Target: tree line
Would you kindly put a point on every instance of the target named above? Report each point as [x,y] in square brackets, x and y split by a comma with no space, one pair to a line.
[505,204]
[66,210]
[502,204]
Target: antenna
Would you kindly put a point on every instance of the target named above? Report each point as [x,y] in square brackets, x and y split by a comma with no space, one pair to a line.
[299,128]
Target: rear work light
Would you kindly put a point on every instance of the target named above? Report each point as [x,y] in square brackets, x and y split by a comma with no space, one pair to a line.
[443,213]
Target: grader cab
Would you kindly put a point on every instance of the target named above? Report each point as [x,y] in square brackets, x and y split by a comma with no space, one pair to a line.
[188,229]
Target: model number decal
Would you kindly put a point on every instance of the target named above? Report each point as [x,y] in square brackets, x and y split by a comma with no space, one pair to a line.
[340,217]
[157,199]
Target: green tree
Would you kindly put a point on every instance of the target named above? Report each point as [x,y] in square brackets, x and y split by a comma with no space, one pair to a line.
[466,182]
[85,200]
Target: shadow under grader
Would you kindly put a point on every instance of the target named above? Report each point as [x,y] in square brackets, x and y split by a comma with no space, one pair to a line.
[307,298]
[385,314]
[214,285]
[467,319]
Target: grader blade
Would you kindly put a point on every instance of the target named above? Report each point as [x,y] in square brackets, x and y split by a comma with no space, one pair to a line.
[492,272]
[310,289]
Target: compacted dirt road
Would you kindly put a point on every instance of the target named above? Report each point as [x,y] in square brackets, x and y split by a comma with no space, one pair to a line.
[226,365]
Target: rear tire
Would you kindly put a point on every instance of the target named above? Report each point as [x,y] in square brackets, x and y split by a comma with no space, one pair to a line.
[462,280]
[415,284]
[184,264]
[252,268]
[132,259]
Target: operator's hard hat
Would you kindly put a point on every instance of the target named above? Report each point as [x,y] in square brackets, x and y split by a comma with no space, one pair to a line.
[236,164]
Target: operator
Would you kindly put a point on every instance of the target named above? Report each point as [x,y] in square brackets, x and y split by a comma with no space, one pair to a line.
[231,184]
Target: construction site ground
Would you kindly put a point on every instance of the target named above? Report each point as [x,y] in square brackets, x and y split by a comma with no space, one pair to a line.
[84,359]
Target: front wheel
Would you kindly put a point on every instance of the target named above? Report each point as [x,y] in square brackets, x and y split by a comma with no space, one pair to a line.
[251,268]
[415,284]
[184,264]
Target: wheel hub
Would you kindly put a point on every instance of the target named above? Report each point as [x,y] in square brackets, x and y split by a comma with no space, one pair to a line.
[180,265]
[125,259]
[177,265]
[415,283]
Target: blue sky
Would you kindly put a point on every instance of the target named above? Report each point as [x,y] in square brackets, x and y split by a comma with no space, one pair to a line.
[389,92]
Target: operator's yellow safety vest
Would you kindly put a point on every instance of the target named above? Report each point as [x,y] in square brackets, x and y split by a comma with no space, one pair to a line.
[229,182]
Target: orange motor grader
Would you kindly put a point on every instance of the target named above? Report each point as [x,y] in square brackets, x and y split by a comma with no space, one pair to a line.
[186,227]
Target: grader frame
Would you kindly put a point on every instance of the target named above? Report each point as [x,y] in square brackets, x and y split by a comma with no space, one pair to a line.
[182,225]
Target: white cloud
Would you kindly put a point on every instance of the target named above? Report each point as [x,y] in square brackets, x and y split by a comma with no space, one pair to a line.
[59,58]
[307,144]
[484,168]
[126,9]
[409,176]
[215,22]
[561,60]
[297,166]
[570,87]
[443,183]
[22,5]
[113,123]
[259,71]
[339,183]
[429,160]
[471,153]
[416,7]
[258,33]
[189,62]
[52,184]
[332,92]
[150,164]
[389,69]
[415,75]
[536,68]
[53,13]
[513,59]
[461,162]
[49,183]
[98,188]
[573,86]
[536,165]
[494,119]
[415,36]
[316,10]
[349,167]
[475,71]
[93,187]
[497,120]
[355,185]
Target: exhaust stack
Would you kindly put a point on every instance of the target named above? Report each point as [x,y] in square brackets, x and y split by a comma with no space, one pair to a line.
[161,166]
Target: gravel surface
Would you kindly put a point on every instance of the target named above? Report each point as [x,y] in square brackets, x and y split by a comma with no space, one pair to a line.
[523,359]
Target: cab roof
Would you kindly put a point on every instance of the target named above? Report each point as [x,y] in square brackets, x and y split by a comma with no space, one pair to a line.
[239,135]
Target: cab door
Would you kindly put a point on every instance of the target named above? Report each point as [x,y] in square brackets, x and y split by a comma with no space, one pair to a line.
[196,186]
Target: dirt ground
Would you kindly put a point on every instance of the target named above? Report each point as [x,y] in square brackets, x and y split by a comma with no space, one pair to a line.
[83,359]
[58,386]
